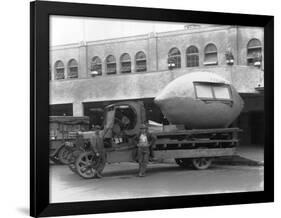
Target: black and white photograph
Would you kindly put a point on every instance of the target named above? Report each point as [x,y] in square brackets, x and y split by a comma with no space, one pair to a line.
[145,109]
[141,108]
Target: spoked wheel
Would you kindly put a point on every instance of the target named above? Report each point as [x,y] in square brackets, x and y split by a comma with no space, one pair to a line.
[72,159]
[202,163]
[183,162]
[63,155]
[86,165]
[53,160]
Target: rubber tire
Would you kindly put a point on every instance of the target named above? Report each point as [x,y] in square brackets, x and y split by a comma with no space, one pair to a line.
[78,167]
[63,155]
[205,161]
[72,158]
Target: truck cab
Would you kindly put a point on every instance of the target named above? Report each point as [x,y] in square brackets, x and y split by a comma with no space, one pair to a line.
[122,123]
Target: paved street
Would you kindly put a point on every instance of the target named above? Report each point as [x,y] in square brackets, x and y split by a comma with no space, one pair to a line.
[120,181]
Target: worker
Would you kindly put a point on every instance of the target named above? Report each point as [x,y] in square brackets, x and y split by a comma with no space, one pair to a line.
[125,122]
[98,148]
[119,127]
[145,141]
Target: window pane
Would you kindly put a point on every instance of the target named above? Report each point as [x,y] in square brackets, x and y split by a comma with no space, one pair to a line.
[125,57]
[72,63]
[140,62]
[140,55]
[204,91]
[254,43]
[254,52]
[141,66]
[126,67]
[192,61]
[211,57]
[111,68]
[174,57]
[59,64]
[96,60]
[176,60]
[221,92]
[110,59]
[97,67]
[210,48]
[192,50]
[73,72]
[72,69]
[174,51]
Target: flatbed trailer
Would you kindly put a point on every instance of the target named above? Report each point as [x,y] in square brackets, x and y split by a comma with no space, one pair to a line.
[196,146]
[192,139]
[62,132]
[183,145]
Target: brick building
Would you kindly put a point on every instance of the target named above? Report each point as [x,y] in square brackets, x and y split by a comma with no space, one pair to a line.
[87,76]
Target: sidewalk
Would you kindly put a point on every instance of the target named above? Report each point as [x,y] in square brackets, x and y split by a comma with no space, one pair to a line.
[244,155]
[253,152]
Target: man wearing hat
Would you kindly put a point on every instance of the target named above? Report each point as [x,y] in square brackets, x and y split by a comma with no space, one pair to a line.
[145,141]
[98,148]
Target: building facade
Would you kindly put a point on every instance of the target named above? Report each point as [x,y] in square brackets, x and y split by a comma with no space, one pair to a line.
[87,76]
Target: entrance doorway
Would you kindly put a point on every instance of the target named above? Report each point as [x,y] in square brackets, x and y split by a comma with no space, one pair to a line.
[61,110]
[257,127]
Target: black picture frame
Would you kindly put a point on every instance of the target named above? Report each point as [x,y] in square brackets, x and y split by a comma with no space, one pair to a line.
[39,106]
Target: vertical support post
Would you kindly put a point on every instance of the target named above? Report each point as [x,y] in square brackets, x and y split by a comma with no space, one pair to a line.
[151,56]
[78,109]
[83,61]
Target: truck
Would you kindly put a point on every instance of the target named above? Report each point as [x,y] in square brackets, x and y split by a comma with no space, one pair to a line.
[186,139]
[62,133]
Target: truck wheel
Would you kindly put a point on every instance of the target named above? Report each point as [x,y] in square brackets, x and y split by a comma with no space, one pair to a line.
[63,155]
[85,165]
[183,162]
[54,160]
[72,158]
[201,163]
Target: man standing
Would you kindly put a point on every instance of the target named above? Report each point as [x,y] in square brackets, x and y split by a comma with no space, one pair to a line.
[98,148]
[145,141]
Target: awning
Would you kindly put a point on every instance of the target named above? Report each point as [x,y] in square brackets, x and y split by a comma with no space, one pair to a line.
[69,120]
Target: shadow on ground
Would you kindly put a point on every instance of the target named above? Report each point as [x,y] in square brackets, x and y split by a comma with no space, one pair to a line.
[157,168]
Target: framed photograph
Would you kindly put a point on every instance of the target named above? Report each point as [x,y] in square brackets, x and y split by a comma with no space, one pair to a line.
[141,109]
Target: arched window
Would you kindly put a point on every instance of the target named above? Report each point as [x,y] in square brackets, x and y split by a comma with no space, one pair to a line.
[72,69]
[125,60]
[59,70]
[96,66]
[174,58]
[211,55]
[140,62]
[254,52]
[110,64]
[192,56]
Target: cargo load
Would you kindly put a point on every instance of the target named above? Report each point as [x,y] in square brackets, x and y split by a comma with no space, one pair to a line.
[200,100]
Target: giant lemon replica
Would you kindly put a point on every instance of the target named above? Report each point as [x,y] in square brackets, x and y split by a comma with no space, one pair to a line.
[200,100]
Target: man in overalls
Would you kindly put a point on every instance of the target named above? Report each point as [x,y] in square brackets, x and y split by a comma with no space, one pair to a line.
[145,141]
[98,148]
